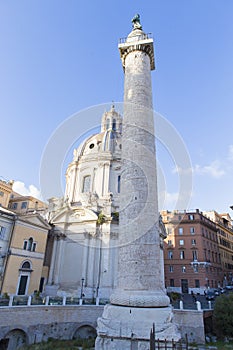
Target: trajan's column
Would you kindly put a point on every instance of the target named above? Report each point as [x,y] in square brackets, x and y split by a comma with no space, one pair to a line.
[140,298]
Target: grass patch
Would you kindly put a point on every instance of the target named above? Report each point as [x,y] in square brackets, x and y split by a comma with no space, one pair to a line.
[221,345]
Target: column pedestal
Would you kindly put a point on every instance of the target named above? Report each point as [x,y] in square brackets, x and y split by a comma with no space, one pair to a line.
[122,327]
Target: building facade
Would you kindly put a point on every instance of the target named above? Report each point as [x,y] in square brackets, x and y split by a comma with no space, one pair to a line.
[26,204]
[7,219]
[85,222]
[5,192]
[24,257]
[225,242]
[192,255]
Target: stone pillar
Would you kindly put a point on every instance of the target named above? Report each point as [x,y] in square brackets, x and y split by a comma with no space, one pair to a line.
[51,270]
[85,256]
[140,298]
[58,260]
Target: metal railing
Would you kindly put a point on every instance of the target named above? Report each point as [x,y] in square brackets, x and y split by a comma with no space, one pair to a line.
[137,38]
[167,344]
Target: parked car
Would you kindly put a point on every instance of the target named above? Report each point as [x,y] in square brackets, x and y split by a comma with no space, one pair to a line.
[210,294]
[222,290]
[229,287]
[217,291]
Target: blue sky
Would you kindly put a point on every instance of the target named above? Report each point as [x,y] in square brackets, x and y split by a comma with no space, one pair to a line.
[60,57]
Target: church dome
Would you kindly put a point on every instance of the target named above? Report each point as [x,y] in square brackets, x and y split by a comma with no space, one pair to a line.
[107,140]
[95,168]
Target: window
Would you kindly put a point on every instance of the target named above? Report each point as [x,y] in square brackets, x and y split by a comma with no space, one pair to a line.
[14,205]
[182,254]
[86,183]
[192,230]
[183,269]
[26,265]
[180,230]
[194,254]
[114,124]
[170,254]
[29,246]
[191,217]
[195,267]
[118,184]
[181,242]
[2,232]
[23,205]
[193,242]
[120,129]
[33,246]
[172,282]
[169,242]
[171,268]
[197,284]
[1,194]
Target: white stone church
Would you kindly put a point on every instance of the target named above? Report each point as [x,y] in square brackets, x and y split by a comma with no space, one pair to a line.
[84,253]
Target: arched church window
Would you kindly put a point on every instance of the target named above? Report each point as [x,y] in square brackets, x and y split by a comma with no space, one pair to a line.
[29,246]
[86,183]
[25,243]
[107,124]
[120,127]
[114,124]
[26,265]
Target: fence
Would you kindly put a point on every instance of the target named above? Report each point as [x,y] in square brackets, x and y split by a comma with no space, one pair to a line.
[166,344]
[32,300]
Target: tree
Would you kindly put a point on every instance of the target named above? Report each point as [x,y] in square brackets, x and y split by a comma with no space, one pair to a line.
[223,316]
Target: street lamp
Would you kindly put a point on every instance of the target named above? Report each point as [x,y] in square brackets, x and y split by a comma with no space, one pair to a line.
[82,285]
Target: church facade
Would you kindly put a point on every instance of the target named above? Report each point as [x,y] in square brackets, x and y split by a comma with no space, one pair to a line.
[83,241]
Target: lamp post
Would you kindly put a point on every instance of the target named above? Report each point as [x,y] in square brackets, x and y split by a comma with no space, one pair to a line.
[81,295]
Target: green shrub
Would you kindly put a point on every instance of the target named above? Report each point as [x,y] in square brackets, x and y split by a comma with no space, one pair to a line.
[101,218]
[223,316]
[174,296]
[6,296]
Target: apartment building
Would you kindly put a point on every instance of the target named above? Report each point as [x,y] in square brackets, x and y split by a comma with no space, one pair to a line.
[26,204]
[5,192]
[225,242]
[192,257]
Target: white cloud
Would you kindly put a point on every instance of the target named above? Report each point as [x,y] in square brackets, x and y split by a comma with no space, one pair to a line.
[214,169]
[21,188]
[167,200]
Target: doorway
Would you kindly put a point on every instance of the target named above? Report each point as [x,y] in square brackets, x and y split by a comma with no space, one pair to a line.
[22,290]
[184,286]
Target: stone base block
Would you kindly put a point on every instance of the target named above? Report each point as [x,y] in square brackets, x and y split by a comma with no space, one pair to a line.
[51,289]
[124,328]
